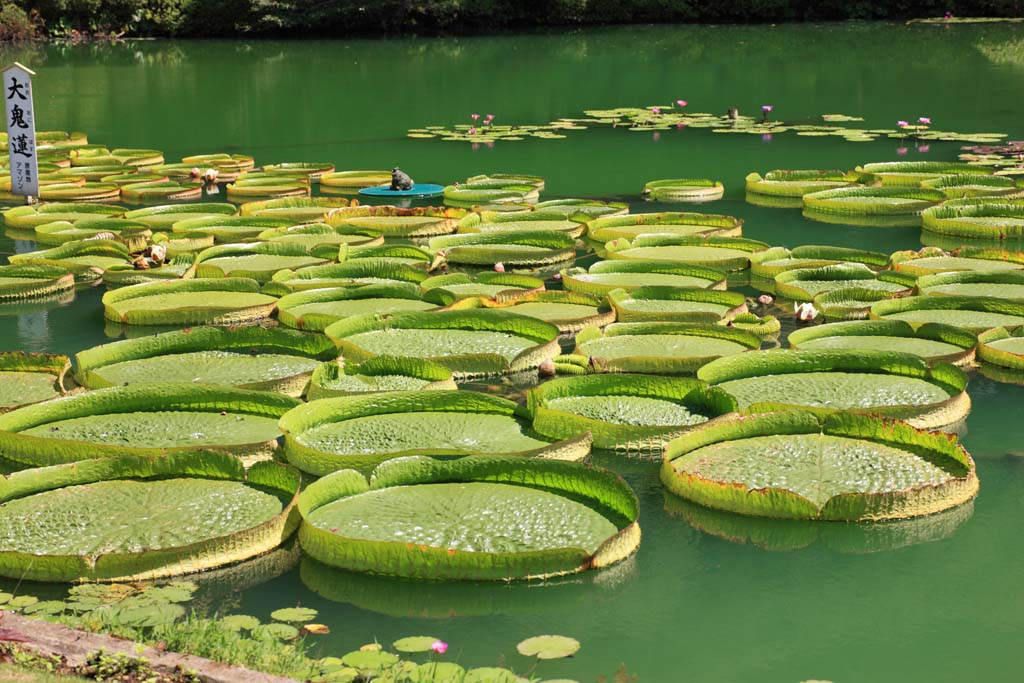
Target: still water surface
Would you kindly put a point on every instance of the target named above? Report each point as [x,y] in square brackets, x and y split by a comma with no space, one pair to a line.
[934,600]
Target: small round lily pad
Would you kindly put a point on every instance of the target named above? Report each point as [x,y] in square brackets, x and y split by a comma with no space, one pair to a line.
[276,631]
[415,643]
[549,647]
[296,615]
[239,622]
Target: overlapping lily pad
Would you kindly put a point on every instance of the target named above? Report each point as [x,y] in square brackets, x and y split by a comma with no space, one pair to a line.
[351,181]
[604,276]
[253,186]
[352,273]
[1003,348]
[782,183]
[519,248]
[934,260]
[723,253]
[683,190]
[144,419]
[229,229]
[492,518]
[392,221]
[360,432]
[315,309]
[526,219]
[378,374]
[295,209]
[801,465]
[1001,284]
[28,217]
[630,226]
[498,287]
[637,414]
[970,313]
[86,259]
[30,378]
[60,232]
[246,357]
[676,304]
[804,284]
[26,282]
[987,220]
[133,518]
[258,261]
[771,262]
[217,301]
[897,385]
[321,238]
[973,185]
[661,348]
[932,341]
[913,173]
[472,343]
[568,311]
[848,203]
[162,217]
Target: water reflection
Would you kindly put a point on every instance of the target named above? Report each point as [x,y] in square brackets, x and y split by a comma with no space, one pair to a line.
[789,535]
[448,599]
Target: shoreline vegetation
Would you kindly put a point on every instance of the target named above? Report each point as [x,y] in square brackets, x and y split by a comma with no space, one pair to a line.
[115,19]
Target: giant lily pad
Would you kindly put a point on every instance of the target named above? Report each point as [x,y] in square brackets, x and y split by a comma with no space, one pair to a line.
[630,226]
[970,313]
[871,201]
[360,432]
[723,253]
[218,301]
[295,209]
[350,181]
[490,518]
[229,228]
[133,518]
[568,311]
[378,374]
[971,185]
[1000,347]
[353,273]
[931,260]
[29,378]
[245,357]
[519,248]
[804,284]
[604,276]
[315,309]
[1000,284]
[87,259]
[800,465]
[898,385]
[912,173]
[395,222]
[771,262]
[164,216]
[661,348]
[259,261]
[319,237]
[499,288]
[683,190]
[134,419]
[632,413]
[797,183]
[932,341]
[60,232]
[676,304]
[262,186]
[987,220]
[530,220]
[472,343]
[25,282]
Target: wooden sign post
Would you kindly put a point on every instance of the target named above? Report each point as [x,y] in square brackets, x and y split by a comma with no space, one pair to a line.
[21,130]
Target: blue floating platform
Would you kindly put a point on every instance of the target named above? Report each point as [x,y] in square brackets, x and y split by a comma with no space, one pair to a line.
[419,190]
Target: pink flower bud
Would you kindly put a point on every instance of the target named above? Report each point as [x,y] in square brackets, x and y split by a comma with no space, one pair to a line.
[681,103]
[474,116]
[439,646]
[924,119]
[765,299]
[547,368]
[766,107]
[902,124]
[499,267]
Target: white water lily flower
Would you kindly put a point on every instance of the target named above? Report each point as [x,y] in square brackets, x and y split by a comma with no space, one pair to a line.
[805,312]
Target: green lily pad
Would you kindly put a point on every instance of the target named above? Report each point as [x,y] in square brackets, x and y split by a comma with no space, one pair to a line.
[275,632]
[240,622]
[415,643]
[294,614]
[370,660]
[548,647]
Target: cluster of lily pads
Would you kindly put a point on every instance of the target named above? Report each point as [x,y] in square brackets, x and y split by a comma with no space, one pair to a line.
[309,367]
[156,613]
[668,117]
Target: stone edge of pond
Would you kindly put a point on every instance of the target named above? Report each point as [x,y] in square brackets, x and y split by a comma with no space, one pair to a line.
[75,646]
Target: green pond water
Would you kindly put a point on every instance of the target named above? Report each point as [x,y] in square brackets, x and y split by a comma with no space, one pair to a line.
[935,599]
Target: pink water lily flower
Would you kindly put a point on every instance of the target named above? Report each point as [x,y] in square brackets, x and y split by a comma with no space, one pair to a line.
[656,110]
[490,117]
[923,149]
[924,119]
[472,131]
[901,150]
[766,107]
[439,646]
[474,116]
[765,299]
[902,124]
[681,103]
[805,312]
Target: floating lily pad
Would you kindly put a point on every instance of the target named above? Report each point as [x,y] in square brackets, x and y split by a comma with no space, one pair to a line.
[415,644]
[295,615]
[713,252]
[973,314]
[683,190]
[240,622]
[548,647]
[932,342]
[604,276]
[661,348]
[380,373]
[498,525]
[219,301]
[608,228]
[799,465]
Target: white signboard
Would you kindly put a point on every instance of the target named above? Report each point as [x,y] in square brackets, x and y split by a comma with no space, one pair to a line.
[21,130]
